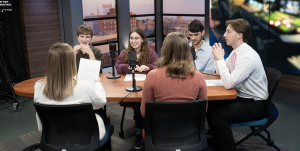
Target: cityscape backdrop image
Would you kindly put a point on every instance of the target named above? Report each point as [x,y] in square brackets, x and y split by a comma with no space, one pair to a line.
[275,26]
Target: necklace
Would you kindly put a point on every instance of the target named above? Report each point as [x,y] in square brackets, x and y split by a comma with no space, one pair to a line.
[138,52]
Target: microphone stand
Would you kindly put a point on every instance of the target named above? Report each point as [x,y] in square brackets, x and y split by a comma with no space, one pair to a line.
[112,50]
[133,88]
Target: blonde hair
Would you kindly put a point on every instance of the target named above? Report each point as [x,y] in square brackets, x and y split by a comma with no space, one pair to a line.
[61,70]
[176,56]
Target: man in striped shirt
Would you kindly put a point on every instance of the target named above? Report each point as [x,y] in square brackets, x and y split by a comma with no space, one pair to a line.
[244,72]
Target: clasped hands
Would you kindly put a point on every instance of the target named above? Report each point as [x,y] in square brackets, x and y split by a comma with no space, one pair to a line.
[83,48]
[140,68]
[218,52]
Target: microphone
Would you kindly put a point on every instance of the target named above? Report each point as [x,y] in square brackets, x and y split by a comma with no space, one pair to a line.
[132,63]
[193,52]
[112,51]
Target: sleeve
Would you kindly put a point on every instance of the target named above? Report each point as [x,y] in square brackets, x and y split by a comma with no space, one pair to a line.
[152,62]
[240,73]
[147,94]
[209,68]
[227,64]
[202,90]
[99,98]
[99,56]
[121,66]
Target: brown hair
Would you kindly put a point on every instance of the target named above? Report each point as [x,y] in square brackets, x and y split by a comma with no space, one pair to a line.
[176,56]
[195,26]
[240,26]
[85,29]
[61,70]
[143,60]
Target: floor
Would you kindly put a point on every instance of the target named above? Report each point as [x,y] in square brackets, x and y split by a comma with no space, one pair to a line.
[285,131]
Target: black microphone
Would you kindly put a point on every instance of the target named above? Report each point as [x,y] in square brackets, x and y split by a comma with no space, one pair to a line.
[112,51]
[193,53]
[132,63]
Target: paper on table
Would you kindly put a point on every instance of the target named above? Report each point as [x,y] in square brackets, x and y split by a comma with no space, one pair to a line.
[138,77]
[88,70]
[214,83]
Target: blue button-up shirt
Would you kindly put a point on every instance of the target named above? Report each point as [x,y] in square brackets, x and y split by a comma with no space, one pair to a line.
[205,59]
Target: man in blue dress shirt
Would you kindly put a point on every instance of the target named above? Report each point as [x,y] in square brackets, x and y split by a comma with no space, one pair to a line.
[205,60]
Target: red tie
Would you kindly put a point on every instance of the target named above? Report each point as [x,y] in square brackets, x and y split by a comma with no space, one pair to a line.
[232,61]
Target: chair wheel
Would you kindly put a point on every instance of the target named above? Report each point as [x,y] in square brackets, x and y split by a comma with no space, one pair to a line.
[121,134]
[270,144]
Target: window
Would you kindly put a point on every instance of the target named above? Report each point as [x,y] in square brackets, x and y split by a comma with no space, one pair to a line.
[178,14]
[142,16]
[98,14]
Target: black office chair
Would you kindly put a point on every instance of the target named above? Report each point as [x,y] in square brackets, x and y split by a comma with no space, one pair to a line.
[70,127]
[273,77]
[174,126]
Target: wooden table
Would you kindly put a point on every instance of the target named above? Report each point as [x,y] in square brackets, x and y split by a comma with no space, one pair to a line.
[115,89]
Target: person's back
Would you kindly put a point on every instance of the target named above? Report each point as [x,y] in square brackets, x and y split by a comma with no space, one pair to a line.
[170,89]
[176,79]
[60,86]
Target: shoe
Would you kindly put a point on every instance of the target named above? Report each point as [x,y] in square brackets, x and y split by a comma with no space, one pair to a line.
[139,141]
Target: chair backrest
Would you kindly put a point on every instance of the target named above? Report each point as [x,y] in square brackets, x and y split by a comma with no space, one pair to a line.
[273,76]
[70,127]
[175,125]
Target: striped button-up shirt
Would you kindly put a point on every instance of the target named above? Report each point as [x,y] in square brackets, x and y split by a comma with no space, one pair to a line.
[248,77]
[205,58]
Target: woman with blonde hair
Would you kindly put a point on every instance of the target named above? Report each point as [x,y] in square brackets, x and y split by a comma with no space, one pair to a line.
[175,73]
[60,86]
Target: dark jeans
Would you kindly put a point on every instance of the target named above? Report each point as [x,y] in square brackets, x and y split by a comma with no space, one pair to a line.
[221,113]
[138,117]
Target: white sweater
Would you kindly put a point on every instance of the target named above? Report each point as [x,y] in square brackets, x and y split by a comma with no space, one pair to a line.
[83,93]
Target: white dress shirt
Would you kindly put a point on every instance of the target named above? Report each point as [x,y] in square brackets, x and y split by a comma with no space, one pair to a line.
[248,77]
[205,58]
[83,93]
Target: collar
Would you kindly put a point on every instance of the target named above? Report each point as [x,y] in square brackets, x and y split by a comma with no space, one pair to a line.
[202,46]
[240,48]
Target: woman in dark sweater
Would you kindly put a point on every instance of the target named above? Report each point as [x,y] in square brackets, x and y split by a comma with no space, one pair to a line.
[146,57]
[146,61]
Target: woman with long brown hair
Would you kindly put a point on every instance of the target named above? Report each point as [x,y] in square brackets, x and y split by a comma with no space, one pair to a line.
[147,57]
[175,73]
[146,61]
[60,86]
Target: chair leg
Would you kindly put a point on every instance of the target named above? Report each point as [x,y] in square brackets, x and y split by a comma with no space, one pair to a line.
[243,139]
[269,135]
[121,133]
[107,146]
[269,141]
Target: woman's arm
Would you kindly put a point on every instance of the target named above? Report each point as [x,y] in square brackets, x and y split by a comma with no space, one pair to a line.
[121,66]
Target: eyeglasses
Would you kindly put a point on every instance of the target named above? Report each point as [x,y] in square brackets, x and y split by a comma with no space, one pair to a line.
[134,39]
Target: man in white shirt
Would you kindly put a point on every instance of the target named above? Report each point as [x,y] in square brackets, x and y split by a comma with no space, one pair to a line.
[244,72]
[205,60]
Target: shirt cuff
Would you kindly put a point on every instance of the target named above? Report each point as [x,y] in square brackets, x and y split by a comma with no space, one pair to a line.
[98,86]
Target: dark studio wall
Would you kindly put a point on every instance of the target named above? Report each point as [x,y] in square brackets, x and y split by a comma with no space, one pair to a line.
[13,53]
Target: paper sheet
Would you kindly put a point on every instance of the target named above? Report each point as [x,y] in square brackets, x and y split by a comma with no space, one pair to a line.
[214,83]
[138,77]
[88,70]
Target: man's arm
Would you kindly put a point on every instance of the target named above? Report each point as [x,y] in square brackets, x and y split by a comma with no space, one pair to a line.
[241,72]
